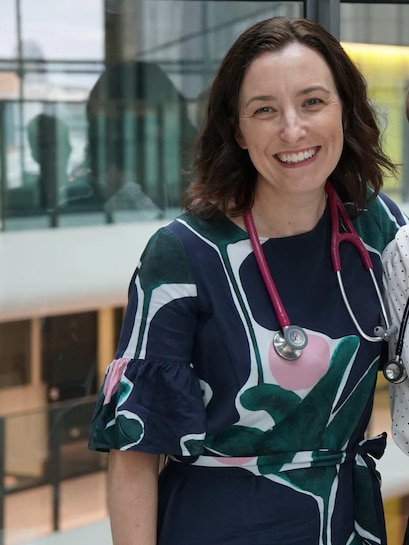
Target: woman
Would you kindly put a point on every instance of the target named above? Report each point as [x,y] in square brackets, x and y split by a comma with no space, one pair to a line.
[260,450]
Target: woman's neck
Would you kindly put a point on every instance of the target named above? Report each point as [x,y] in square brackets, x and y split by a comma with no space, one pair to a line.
[288,215]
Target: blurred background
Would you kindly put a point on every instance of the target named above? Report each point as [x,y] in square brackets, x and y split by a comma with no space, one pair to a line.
[100,102]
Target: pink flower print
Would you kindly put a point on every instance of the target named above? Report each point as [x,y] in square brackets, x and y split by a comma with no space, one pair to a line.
[305,372]
[235,461]
[113,378]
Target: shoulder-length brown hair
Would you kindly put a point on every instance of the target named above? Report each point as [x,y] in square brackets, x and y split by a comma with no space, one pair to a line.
[224,175]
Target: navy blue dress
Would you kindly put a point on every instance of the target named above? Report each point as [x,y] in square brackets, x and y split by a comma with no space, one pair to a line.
[261,451]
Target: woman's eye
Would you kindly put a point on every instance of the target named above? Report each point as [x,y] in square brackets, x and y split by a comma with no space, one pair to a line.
[313,102]
[264,110]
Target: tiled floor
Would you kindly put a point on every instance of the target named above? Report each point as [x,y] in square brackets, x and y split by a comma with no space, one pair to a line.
[29,514]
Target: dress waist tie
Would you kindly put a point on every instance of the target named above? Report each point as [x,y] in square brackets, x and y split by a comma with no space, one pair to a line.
[369,521]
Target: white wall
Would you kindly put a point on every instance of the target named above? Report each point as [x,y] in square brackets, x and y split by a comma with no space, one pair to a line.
[58,271]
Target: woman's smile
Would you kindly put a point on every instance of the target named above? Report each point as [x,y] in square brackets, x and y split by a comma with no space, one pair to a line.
[297,158]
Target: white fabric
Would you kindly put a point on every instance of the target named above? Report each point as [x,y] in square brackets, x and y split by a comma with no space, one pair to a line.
[396,277]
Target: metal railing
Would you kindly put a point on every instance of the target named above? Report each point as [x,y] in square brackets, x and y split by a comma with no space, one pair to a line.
[47,432]
[67,191]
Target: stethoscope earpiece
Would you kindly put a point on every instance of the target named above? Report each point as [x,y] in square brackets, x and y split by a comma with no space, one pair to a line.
[385,334]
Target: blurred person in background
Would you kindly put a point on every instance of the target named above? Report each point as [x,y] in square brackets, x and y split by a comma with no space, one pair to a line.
[50,147]
[128,111]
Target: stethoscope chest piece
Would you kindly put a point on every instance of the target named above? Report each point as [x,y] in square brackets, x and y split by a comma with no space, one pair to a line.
[394,371]
[290,343]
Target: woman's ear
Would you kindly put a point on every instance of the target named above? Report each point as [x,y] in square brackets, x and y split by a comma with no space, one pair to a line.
[238,135]
[240,139]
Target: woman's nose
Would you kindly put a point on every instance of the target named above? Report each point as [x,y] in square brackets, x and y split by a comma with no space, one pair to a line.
[292,128]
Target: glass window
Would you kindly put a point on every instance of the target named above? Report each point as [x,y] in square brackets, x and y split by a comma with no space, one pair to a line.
[69,350]
[101,123]
[8,34]
[47,31]
[376,38]
[15,353]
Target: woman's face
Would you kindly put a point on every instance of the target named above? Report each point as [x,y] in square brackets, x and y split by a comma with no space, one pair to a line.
[290,120]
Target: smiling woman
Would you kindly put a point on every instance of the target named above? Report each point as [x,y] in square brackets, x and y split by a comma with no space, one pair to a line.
[277,441]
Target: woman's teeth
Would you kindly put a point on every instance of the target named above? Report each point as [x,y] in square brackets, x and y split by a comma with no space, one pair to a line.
[296,157]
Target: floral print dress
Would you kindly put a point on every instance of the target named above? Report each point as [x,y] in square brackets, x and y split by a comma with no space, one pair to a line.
[261,451]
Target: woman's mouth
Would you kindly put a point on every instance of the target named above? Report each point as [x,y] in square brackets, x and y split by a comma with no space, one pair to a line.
[296,158]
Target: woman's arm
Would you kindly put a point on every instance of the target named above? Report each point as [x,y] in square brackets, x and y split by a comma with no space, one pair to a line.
[132,497]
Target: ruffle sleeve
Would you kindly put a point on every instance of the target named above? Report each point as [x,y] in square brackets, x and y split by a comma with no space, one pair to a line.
[396,276]
[151,398]
[149,406]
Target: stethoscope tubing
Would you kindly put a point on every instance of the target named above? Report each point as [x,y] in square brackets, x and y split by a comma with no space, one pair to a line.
[337,212]
[394,370]
[402,329]
[384,334]
[279,309]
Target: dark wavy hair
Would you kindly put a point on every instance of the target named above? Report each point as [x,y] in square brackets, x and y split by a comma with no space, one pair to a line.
[224,175]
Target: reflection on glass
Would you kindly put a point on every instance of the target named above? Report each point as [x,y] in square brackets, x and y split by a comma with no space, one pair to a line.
[69,354]
[127,157]
[136,121]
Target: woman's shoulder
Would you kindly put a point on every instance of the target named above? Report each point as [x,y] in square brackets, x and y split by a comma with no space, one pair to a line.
[174,245]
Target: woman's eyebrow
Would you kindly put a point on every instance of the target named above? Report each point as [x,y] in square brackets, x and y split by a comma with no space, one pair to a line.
[306,91]
[312,89]
[259,98]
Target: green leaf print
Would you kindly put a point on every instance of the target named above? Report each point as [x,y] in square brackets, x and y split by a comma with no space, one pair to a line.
[271,398]
[306,418]
[236,441]
[310,418]
[130,428]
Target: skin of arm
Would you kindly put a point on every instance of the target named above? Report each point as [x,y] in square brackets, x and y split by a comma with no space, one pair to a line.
[132,497]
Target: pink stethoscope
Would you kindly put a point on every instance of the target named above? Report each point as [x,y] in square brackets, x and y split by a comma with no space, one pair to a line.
[292,339]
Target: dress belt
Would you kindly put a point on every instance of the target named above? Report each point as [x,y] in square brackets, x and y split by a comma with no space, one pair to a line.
[363,453]
[368,515]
